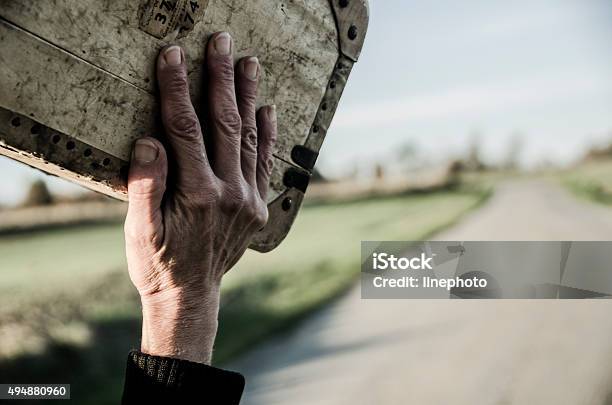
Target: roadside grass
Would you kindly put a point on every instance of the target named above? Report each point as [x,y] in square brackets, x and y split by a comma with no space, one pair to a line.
[592,181]
[69,314]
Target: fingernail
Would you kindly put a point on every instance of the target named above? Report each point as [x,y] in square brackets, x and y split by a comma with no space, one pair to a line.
[272,113]
[172,55]
[145,151]
[251,68]
[223,43]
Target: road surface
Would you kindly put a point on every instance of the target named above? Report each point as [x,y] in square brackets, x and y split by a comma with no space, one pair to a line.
[454,352]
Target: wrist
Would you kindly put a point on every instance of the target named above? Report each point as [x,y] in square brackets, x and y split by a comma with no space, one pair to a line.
[180,325]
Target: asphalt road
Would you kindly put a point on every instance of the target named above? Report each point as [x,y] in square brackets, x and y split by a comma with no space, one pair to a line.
[454,352]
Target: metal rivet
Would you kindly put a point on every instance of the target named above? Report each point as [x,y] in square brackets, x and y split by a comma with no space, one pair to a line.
[352,32]
[35,130]
[56,138]
[344,3]
[16,122]
[70,145]
[87,152]
[332,85]
[315,129]
[287,203]
[106,162]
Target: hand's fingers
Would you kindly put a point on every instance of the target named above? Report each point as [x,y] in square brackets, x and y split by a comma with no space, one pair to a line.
[247,76]
[266,128]
[180,120]
[226,122]
[146,187]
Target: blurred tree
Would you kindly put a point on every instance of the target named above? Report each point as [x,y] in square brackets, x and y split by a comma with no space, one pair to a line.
[515,149]
[456,166]
[408,156]
[38,195]
[379,171]
[473,160]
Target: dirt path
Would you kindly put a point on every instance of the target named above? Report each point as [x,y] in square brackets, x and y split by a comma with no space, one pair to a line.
[454,352]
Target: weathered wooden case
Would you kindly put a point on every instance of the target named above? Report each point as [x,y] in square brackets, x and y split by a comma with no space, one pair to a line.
[77,81]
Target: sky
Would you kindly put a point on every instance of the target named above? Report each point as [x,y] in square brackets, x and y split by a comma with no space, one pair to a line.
[437,74]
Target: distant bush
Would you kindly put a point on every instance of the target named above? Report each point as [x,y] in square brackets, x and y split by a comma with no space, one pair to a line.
[38,195]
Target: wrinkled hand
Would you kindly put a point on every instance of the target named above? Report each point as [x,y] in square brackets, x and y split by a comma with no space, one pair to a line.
[181,238]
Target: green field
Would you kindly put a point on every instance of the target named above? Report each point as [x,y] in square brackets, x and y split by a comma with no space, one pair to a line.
[592,180]
[69,314]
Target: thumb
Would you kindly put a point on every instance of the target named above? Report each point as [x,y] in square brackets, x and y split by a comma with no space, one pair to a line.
[146,187]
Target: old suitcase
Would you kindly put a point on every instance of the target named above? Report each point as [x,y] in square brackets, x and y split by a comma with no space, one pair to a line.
[77,81]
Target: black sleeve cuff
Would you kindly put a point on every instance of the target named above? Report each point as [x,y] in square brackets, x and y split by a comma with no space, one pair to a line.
[153,379]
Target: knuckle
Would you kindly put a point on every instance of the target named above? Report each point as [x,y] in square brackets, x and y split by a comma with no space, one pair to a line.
[203,198]
[235,199]
[240,201]
[223,69]
[267,141]
[249,137]
[184,121]
[255,211]
[145,188]
[214,194]
[130,230]
[235,204]
[271,139]
[267,165]
[248,95]
[137,234]
[176,82]
[229,121]
[260,218]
